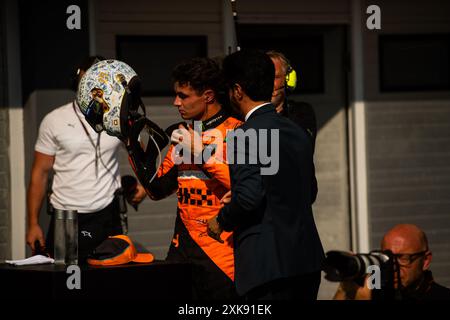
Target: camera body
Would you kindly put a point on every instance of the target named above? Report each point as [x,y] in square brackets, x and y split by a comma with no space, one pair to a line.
[347,266]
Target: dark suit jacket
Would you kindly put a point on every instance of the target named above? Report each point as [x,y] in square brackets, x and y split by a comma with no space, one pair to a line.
[303,114]
[274,231]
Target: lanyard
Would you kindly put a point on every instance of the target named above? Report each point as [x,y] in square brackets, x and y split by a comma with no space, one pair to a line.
[95,146]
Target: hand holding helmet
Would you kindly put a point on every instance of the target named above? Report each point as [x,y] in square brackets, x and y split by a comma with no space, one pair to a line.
[109,97]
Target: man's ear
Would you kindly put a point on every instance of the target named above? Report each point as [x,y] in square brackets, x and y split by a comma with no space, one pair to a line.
[209,96]
[238,92]
[427,260]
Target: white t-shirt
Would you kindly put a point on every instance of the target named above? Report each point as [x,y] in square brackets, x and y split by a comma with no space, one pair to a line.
[77,184]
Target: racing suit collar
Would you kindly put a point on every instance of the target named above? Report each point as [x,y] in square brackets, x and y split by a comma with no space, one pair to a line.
[215,120]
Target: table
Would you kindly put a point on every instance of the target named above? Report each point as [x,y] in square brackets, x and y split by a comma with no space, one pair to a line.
[159,280]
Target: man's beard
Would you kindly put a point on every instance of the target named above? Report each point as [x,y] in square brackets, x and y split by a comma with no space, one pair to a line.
[235,106]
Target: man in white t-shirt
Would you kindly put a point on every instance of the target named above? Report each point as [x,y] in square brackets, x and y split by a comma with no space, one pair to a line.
[86,177]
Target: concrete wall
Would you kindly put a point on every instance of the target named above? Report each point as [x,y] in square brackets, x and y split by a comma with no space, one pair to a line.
[5,249]
[4,185]
[140,17]
[294,11]
[408,139]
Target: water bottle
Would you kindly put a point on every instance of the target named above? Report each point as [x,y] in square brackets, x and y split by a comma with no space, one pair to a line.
[66,237]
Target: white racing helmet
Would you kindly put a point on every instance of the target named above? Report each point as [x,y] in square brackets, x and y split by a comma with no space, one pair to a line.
[106,93]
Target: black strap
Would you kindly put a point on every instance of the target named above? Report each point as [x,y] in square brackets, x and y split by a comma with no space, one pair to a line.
[96,147]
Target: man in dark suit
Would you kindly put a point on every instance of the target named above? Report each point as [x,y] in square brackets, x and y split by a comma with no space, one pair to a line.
[301,113]
[278,253]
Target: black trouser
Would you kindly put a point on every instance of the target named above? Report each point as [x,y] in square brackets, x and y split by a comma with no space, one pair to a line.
[93,228]
[304,287]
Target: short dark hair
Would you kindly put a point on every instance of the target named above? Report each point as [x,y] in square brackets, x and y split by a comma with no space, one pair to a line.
[253,70]
[84,65]
[201,74]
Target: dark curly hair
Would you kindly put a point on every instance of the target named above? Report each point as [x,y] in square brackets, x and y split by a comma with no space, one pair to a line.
[201,74]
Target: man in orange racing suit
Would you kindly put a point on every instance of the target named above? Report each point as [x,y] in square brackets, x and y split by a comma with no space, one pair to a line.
[200,183]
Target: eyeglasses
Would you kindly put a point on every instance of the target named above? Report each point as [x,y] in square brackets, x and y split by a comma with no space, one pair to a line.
[405,259]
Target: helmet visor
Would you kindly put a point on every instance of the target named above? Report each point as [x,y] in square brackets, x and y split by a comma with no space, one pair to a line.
[94,115]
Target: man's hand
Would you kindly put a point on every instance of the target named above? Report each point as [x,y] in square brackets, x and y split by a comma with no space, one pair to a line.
[226,199]
[35,233]
[138,196]
[350,290]
[189,139]
[214,230]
